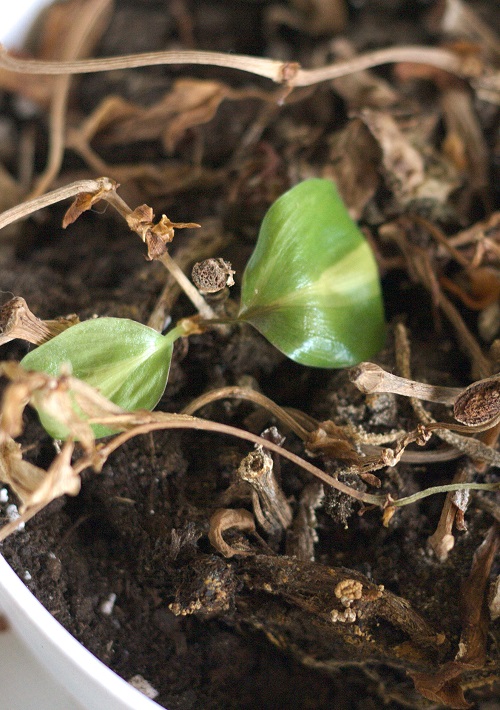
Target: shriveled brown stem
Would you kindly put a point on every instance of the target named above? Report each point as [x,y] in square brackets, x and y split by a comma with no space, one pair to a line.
[17,321]
[443,540]
[81,31]
[369,378]
[191,292]
[18,212]
[225,519]
[279,72]
[105,189]
[270,504]
[249,395]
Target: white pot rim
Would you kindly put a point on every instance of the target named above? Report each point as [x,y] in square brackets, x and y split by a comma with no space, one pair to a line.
[91,682]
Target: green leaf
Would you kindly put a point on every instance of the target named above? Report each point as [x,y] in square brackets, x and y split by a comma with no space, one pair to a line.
[311,286]
[126,361]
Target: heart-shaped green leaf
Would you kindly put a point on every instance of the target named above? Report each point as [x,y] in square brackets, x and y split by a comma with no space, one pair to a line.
[311,286]
[126,361]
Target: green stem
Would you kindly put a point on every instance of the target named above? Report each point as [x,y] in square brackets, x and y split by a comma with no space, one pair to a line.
[180,331]
[445,489]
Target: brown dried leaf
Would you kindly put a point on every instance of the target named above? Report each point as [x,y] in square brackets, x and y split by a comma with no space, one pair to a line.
[315,17]
[71,402]
[23,477]
[156,236]
[332,440]
[17,395]
[85,201]
[353,165]
[402,164]
[35,487]
[191,102]
[59,480]
[196,103]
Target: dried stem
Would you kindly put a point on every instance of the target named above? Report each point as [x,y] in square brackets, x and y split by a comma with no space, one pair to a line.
[103,184]
[370,378]
[17,321]
[207,241]
[155,421]
[83,27]
[271,507]
[105,189]
[280,72]
[245,393]
[443,540]
[191,292]
[159,420]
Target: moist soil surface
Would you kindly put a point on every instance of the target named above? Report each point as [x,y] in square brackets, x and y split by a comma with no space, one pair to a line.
[250,631]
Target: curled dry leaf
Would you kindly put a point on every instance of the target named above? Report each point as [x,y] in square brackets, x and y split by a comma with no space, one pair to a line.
[412,170]
[86,200]
[224,519]
[35,487]
[23,477]
[403,165]
[155,236]
[65,400]
[61,479]
[190,103]
[315,17]
[353,164]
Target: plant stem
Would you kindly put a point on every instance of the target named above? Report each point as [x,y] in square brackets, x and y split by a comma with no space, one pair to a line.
[191,292]
[369,378]
[445,489]
[50,198]
[180,331]
[289,73]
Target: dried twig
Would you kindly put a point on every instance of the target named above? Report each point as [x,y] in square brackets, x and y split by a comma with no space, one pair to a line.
[289,73]
[17,321]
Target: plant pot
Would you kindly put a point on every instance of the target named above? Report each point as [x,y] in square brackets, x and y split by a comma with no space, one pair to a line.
[16,19]
[89,681]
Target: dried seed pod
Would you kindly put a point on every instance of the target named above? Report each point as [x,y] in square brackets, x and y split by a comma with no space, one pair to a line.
[212,275]
[479,403]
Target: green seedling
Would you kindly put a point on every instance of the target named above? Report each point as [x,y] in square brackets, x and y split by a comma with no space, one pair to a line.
[126,361]
[311,288]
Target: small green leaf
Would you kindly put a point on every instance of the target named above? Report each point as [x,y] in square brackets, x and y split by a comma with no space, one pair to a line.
[311,286]
[126,361]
